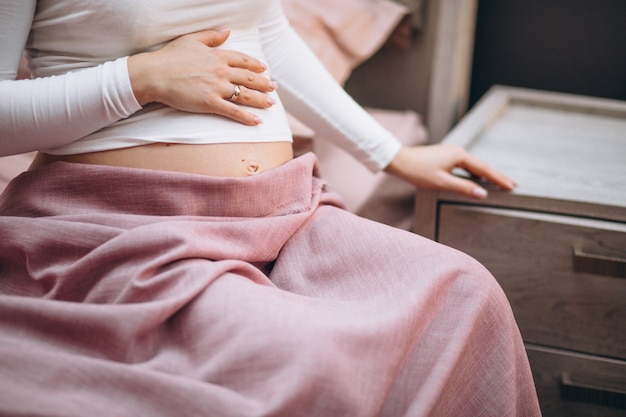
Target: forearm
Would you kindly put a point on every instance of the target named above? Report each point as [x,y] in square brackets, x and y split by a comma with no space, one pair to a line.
[53,111]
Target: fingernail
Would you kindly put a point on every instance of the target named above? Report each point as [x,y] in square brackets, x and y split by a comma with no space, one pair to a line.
[271,101]
[479,192]
[258,120]
[223,30]
[274,85]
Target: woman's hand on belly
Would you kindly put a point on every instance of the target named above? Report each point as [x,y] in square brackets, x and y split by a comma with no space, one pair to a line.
[190,74]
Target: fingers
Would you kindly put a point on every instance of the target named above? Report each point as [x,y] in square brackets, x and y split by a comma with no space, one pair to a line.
[236,112]
[480,169]
[245,71]
[239,95]
[251,80]
[249,97]
[215,38]
[463,186]
[237,59]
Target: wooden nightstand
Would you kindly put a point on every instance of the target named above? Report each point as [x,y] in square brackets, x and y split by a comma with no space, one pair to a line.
[557,244]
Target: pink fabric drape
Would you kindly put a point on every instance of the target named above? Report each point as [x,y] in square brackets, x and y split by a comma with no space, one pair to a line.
[344,37]
[127,292]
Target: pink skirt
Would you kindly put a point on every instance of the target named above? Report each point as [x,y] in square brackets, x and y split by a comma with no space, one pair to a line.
[127,292]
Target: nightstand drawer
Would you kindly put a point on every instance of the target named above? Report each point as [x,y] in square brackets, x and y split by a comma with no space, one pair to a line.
[564,276]
[575,385]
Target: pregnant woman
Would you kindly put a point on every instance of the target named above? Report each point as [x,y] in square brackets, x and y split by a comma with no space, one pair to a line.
[166,255]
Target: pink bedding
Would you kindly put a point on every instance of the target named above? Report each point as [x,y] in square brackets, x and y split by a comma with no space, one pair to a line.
[127,292]
[12,166]
[344,37]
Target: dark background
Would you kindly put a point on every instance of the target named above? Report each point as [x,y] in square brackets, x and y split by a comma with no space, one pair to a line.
[571,46]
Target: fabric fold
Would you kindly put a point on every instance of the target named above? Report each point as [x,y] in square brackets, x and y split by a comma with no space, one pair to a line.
[132,292]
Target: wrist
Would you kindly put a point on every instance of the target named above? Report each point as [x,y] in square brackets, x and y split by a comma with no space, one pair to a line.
[138,72]
[398,163]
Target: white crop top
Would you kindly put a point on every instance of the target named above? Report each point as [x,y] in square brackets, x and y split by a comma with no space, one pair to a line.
[81,98]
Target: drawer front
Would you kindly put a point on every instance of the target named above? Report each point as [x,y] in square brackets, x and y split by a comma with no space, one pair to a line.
[575,385]
[553,270]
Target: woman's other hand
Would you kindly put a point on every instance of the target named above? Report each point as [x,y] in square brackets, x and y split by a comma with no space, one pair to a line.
[431,167]
[190,74]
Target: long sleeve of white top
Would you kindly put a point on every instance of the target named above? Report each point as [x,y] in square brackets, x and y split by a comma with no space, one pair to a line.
[311,94]
[53,111]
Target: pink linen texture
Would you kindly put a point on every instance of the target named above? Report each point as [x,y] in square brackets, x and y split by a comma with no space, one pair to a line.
[129,292]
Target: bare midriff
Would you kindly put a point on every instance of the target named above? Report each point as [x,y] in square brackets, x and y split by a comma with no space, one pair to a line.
[216,159]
